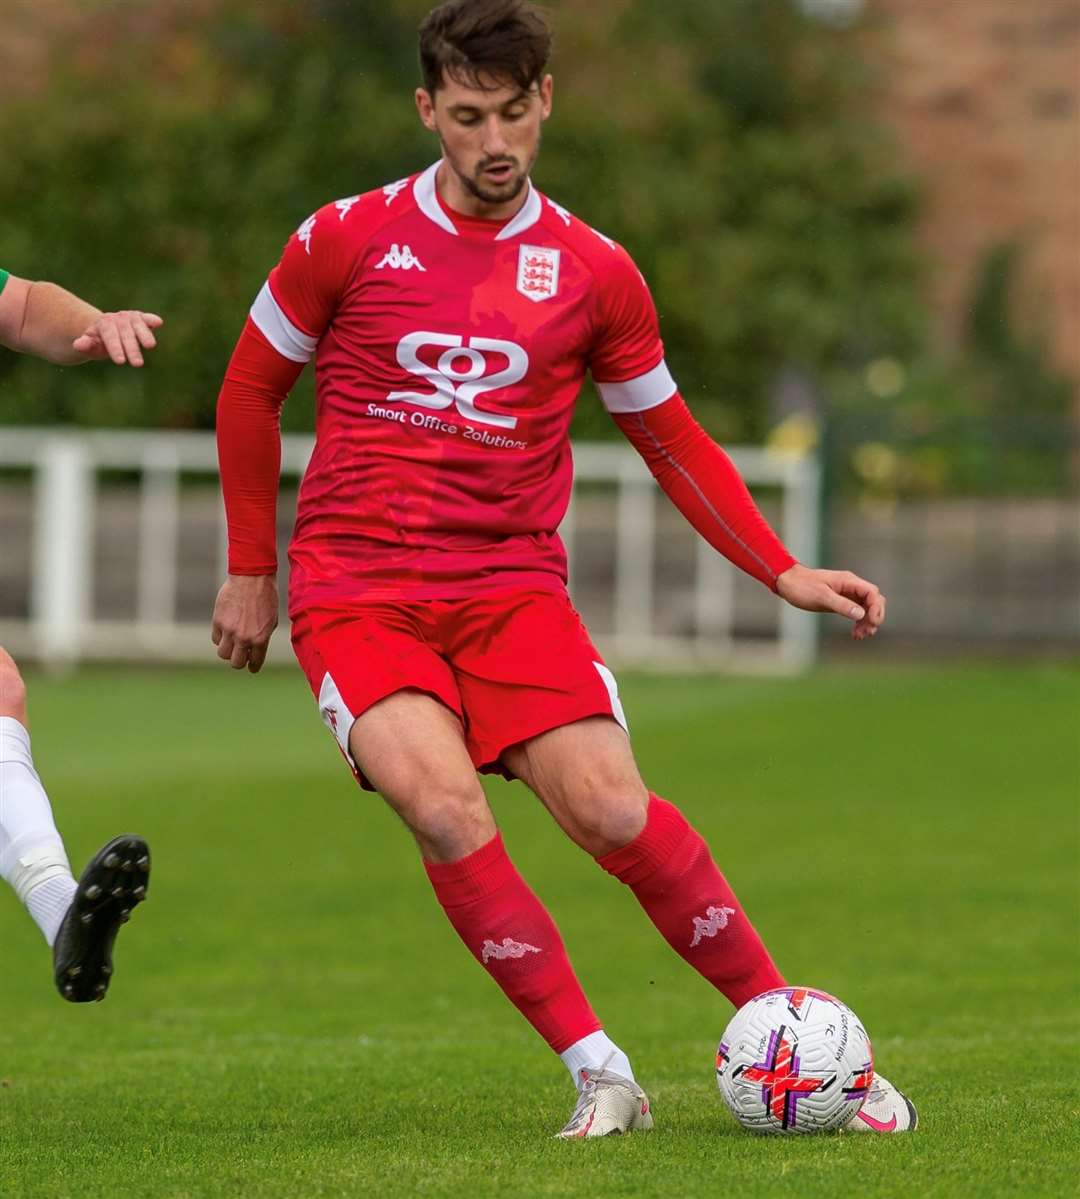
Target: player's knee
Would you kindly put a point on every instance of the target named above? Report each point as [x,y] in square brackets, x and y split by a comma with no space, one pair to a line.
[451,821]
[607,813]
[12,688]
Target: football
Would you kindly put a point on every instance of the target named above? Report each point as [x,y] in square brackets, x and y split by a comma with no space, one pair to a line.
[794,1061]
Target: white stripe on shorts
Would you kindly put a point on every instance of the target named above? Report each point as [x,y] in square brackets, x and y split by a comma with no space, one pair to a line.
[336,715]
[613,692]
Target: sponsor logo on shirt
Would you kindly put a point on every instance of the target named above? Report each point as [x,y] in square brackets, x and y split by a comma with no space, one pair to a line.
[401,259]
[538,272]
[431,423]
[343,206]
[462,372]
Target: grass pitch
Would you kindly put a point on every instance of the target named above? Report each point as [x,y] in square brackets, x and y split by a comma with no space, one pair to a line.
[291,1015]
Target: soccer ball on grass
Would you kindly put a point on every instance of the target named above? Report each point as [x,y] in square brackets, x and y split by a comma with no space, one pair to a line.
[794,1061]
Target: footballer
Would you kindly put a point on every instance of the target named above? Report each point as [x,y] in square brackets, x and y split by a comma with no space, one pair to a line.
[79,920]
[452,317]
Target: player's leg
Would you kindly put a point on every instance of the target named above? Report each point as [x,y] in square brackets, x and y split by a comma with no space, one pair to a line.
[408,745]
[543,705]
[585,775]
[32,855]
[412,750]
[78,920]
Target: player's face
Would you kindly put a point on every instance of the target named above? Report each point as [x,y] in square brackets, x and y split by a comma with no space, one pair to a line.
[490,135]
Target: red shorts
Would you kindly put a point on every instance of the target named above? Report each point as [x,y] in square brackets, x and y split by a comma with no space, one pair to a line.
[511,665]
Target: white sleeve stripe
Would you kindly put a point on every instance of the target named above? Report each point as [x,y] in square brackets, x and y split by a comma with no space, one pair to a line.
[278,330]
[638,395]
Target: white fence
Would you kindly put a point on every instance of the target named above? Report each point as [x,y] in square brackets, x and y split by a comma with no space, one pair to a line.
[60,623]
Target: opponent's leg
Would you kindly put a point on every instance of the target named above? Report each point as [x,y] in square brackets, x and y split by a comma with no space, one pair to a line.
[32,855]
[411,749]
[586,776]
[79,921]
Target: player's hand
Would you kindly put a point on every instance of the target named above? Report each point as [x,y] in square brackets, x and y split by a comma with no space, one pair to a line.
[837,591]
[245,617]
[121,336]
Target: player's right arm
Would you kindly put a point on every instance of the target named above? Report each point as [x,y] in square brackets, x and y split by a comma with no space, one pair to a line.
[45,320]
[290,314]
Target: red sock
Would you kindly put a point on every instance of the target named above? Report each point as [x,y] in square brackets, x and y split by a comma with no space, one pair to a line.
[671,872]
[509,932]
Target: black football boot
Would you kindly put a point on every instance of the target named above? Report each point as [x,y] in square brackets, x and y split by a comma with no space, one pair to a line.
[112,884]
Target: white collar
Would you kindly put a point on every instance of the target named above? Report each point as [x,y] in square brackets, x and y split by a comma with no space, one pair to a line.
[428,203]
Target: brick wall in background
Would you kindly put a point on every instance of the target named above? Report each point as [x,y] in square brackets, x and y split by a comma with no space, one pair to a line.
[985,97]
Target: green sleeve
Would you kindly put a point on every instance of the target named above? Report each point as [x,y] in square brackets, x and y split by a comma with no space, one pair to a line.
[4,276]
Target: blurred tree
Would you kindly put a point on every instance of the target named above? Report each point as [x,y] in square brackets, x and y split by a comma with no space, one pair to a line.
[993,419]
[726,144]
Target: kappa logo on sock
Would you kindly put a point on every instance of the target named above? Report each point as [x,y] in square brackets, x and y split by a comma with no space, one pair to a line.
[714,920]
[508,949]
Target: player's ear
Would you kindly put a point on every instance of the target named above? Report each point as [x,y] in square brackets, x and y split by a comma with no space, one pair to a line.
[425,106]
[547,87]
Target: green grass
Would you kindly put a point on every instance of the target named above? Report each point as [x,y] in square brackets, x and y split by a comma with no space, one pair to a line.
[291,1015]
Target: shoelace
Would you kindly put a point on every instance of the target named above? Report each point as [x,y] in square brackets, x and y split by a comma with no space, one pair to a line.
[585,1098]
[876,1093]
[588,1091]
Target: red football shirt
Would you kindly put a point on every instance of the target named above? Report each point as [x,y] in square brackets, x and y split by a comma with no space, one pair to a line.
[449,352]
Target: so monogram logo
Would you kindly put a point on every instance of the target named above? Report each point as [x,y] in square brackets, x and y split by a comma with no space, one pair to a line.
[465,370]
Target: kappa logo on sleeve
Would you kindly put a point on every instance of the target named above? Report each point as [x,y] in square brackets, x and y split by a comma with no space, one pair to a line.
[392,190]
[560,212]
[305,231]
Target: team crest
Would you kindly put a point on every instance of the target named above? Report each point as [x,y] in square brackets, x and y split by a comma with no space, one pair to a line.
[538,272]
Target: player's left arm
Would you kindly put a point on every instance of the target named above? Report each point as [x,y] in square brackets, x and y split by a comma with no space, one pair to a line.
[43,319]
[699,478]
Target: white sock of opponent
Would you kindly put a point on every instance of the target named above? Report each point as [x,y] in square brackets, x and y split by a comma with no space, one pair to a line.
[32,855]
[596,1052]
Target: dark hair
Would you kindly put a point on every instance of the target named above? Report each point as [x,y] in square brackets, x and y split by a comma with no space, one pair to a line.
[467,39]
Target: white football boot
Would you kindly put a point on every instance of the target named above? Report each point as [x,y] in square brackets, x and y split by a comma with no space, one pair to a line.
[885,1110]
[608,1105]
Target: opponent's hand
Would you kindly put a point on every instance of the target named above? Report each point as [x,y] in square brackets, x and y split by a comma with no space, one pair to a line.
[121,336]
[245,617]
[837,591]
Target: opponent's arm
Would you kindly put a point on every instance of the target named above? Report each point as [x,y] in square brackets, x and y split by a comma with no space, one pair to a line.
[51,323]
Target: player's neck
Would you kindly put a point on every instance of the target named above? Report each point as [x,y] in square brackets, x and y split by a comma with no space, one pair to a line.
[455,197]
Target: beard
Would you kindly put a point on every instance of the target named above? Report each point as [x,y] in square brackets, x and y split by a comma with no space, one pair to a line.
[492,193]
